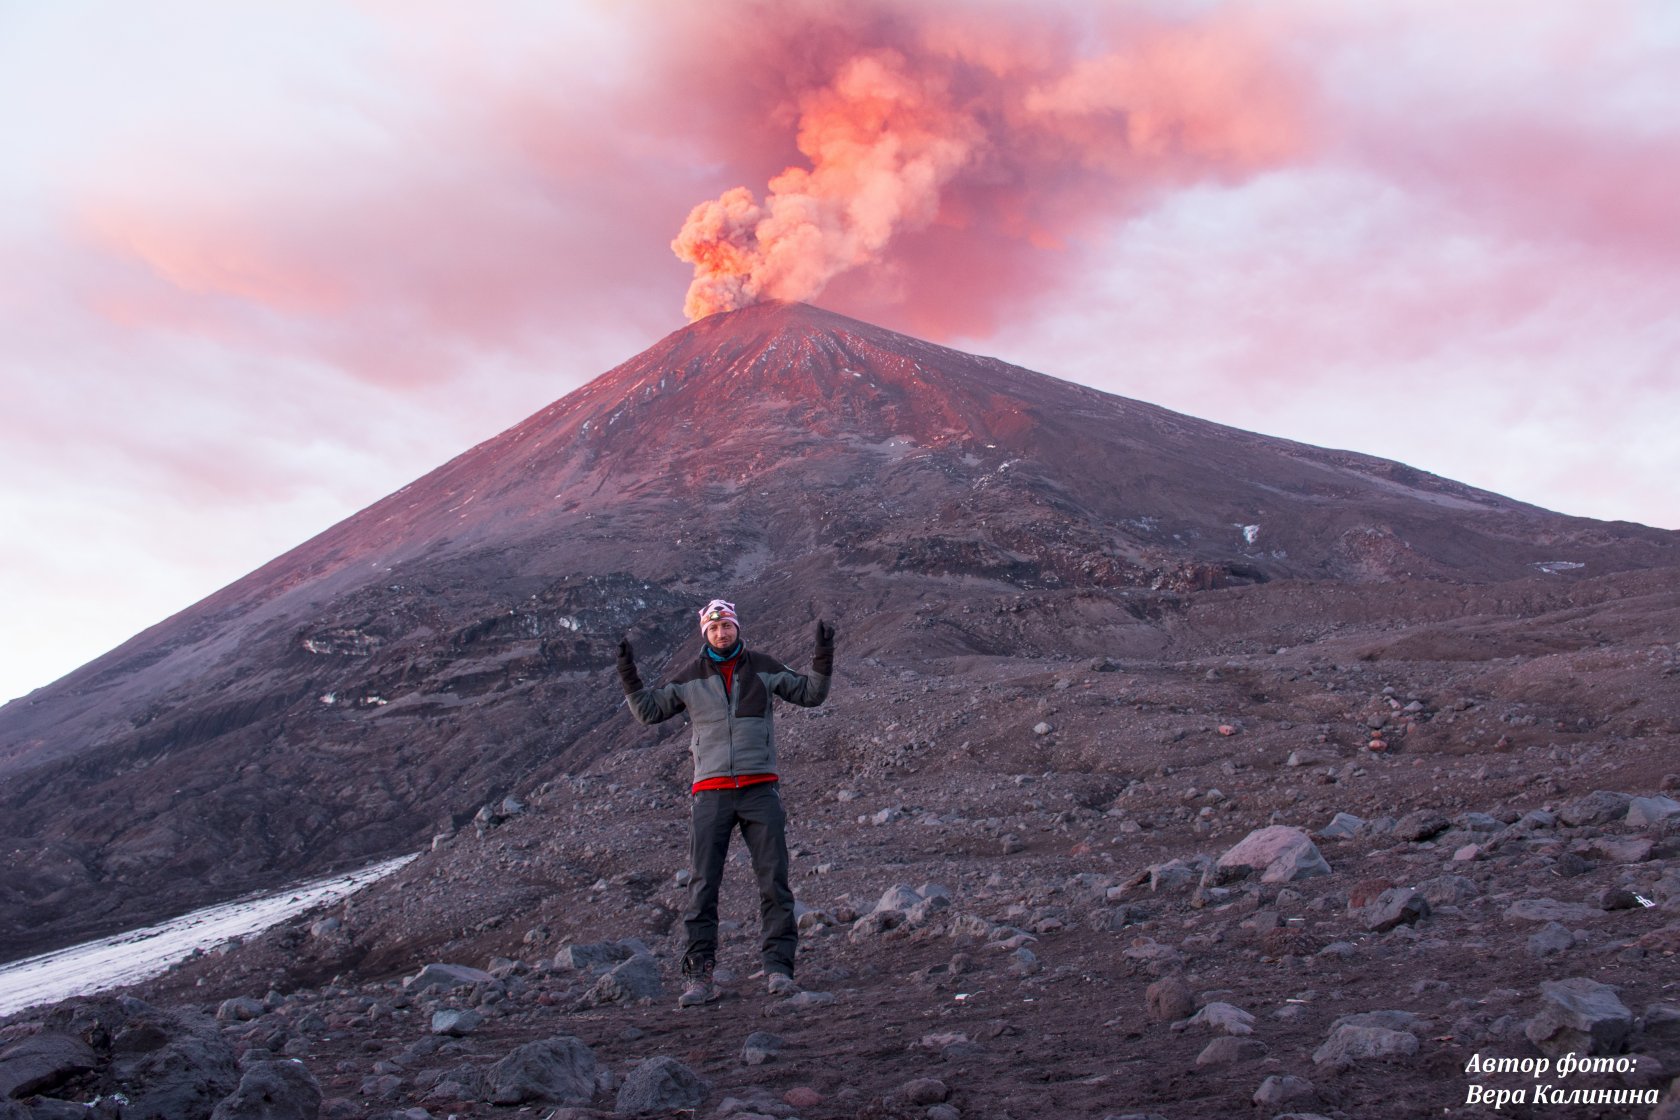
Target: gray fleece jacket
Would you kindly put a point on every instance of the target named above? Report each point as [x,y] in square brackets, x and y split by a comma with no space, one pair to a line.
[733,732]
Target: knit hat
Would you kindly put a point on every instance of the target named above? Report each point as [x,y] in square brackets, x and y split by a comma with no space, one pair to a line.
[718,611]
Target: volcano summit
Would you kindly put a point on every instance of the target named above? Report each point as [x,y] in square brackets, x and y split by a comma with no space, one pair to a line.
[451,645]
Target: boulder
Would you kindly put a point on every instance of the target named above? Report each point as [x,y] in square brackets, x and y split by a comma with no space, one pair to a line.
[1420,825]
[1342,826]
[1448,890]
[187,1075]
[1550,939]
[272,1091]
[1579,1015]
[1223,1017]
[445,977]
[1601,806]
[635,979]
[897,897]
[1228,1050]
[1280,853]
[1550,910]
[1391,1019]
[760,1047]
[1642,812]
[557,1070]
[923,1091]
[41,1061]
[1396,906]
[585,958]
[455,1022]
[239,1009]
[1349,1045]
[660,1084]
[1283,1089]
[1169,1000]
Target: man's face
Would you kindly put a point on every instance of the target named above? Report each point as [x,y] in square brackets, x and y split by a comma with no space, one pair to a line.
[721,633]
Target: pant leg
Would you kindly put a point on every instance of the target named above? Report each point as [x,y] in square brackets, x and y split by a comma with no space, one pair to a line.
[712,820]
[764,827]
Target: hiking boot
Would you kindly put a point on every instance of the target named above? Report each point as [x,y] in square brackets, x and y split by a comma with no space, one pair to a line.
[781,984]
[700,990]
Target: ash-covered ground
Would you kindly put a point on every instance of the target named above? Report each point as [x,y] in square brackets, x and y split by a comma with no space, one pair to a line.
[1016,899]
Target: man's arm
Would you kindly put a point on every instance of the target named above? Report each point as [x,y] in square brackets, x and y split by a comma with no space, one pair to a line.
[809,690]
[648,705]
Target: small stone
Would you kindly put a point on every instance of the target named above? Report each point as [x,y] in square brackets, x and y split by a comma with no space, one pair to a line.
[1169,1000]
[660,1084]
[1224,1017]
[761,1047]
[802,1096]
[1350,1045]
[455,1022]
[1283,1089]
[1550,939]
[1396,906]
[923,1091]
[1228,1050]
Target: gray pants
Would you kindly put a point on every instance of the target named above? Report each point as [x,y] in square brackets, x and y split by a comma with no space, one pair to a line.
[757,811]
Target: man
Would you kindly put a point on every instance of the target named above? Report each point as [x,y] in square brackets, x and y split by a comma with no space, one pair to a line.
[727,692]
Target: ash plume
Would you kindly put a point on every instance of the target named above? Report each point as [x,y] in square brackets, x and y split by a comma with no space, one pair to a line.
[1003,124]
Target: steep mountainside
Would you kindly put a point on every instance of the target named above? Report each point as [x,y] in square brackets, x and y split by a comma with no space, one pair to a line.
[452,643]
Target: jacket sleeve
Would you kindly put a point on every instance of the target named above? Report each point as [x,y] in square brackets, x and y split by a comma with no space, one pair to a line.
[656,705]
[805,690]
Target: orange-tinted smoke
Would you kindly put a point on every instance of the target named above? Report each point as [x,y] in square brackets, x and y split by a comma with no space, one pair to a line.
[995,125]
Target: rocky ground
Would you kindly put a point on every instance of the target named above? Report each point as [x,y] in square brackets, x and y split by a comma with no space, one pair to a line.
[1321,862]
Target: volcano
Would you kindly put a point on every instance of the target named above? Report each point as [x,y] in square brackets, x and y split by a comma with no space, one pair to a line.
[451,645]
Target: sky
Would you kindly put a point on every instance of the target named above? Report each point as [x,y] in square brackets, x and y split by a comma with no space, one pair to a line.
[269,262]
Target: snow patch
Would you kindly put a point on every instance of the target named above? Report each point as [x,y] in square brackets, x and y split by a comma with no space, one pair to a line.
[1250,533]
[1553,567]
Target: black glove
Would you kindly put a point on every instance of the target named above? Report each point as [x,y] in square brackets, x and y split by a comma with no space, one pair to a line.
[627,675]
[822,661]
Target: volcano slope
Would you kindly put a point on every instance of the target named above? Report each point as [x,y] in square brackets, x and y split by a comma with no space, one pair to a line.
[981,533]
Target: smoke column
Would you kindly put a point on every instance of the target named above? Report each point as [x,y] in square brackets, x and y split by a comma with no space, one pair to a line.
[1018,128]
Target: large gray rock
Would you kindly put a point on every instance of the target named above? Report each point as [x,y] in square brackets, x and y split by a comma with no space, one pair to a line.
[1229,1049]
[445,977]
[1550,910]
[239,1009]
[1601,806]
[1168,999]
[1343,826]
[456,1021]
[897,897]
[1448,890]
[635,979]
[1396,906]
[1349,1045]
[1224,1017]
[550,1071]
[41,1061]
[585,958]
[761,1047]
[1284,1089]
[1391,1019]
[1280,853]
[186,1076]
[1579,1015]
[660,1084]
[1420,825]
[272,1091]
[1645,811]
